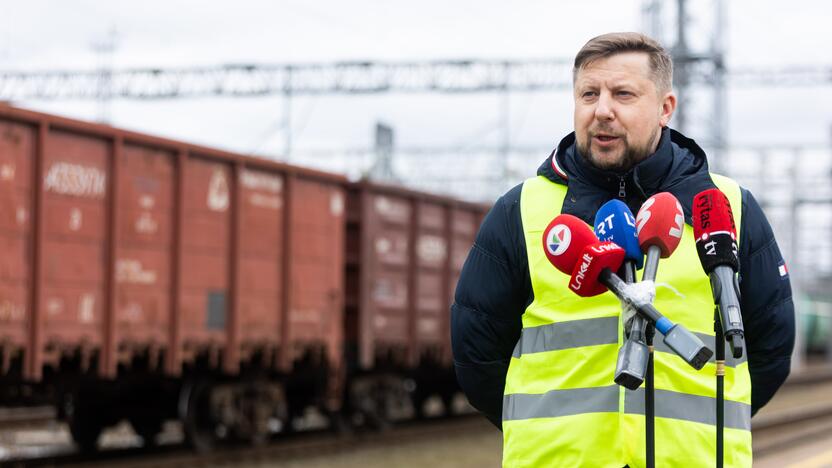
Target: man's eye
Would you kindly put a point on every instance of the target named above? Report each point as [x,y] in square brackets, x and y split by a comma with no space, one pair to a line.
[625,93]
[588,94]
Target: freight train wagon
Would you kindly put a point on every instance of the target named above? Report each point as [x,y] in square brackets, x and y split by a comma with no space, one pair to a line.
[147,279]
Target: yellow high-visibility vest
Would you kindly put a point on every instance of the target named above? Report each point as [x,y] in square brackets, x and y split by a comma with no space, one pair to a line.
[561,407]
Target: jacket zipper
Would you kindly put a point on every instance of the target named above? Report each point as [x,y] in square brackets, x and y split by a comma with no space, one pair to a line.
[622,193]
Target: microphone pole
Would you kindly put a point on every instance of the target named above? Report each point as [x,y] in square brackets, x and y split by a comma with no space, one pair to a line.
[615,222]
[651,266]
[720,389]
[716,245]
[660,225]
[640,329]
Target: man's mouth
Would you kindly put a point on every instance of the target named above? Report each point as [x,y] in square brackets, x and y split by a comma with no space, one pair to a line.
[603,138]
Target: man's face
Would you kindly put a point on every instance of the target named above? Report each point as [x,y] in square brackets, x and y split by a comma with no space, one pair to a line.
[619,113]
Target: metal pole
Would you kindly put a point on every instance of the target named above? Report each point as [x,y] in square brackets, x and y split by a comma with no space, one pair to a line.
[720,388]
[680,65]
[649,413]
[719,120]
[287,114]
[505,114]
[650,402]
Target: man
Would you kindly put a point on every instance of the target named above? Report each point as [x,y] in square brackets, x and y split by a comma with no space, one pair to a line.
[533,356]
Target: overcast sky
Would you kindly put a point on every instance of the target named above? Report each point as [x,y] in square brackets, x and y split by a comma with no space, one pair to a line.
[38,34]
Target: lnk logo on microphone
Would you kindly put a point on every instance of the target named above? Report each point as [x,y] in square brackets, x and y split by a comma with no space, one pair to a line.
[578,278]
[586,266]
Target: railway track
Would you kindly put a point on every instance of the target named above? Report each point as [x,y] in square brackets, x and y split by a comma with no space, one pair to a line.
[778,431]
[784,427]
[12,418]
[292,447]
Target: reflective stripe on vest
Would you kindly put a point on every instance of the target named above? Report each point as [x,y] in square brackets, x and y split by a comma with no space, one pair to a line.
[672,405]
[561,406]
[589,332]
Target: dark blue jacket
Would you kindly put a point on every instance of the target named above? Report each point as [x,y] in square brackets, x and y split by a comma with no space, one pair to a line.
[495,289]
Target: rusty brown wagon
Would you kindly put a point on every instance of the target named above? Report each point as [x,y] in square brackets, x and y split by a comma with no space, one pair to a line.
[145,279]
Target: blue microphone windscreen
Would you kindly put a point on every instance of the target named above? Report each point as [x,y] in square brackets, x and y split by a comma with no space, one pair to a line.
[615,222]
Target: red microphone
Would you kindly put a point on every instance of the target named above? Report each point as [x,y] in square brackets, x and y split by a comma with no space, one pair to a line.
[564,239]
[716,244]
[660,223]
[573,249]
[715,230]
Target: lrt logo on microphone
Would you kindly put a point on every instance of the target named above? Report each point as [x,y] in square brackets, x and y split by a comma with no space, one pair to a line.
[558,239]
[608,223]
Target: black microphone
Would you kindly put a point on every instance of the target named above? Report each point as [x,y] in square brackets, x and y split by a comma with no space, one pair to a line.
[716,245]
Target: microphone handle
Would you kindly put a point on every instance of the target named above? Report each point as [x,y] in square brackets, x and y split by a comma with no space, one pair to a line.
[620,289]
[678,338]
[638,325]
[725,295]
[651,265]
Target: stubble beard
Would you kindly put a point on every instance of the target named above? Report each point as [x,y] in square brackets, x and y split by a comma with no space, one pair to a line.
[632,154]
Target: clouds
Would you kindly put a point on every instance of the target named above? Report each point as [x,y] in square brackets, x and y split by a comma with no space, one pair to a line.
[40,34]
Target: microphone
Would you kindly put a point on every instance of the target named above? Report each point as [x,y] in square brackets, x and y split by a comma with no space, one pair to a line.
[591,274]
[659,226]
[614,222]
[716,245]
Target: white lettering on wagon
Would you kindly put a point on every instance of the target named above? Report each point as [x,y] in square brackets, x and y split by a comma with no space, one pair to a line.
[265,201]
[147,202]
[54,306]
[218,196]
[259,181]
[129,270]
[22,215]
[432,249]
[145,224]
[11,311]
[73,179]
[75,219]
[86,308]
[336,204]
[7,172]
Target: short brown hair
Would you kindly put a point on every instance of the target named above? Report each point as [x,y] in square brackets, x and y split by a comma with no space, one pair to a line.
[605,45]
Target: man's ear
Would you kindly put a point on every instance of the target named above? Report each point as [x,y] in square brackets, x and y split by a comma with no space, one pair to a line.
[668,106]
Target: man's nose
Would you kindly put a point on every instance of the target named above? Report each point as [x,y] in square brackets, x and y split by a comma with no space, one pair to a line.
[603,108]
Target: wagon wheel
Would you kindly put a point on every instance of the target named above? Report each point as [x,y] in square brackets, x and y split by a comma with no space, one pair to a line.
[197,416]
[84,424]
[448,402]
[377,407]
[256,407]
[147,426]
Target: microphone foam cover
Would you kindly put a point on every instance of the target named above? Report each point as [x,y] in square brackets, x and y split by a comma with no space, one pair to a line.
[660,222]
[712,213]
[715,230]
[594,258]
[564,239]
[615,222]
